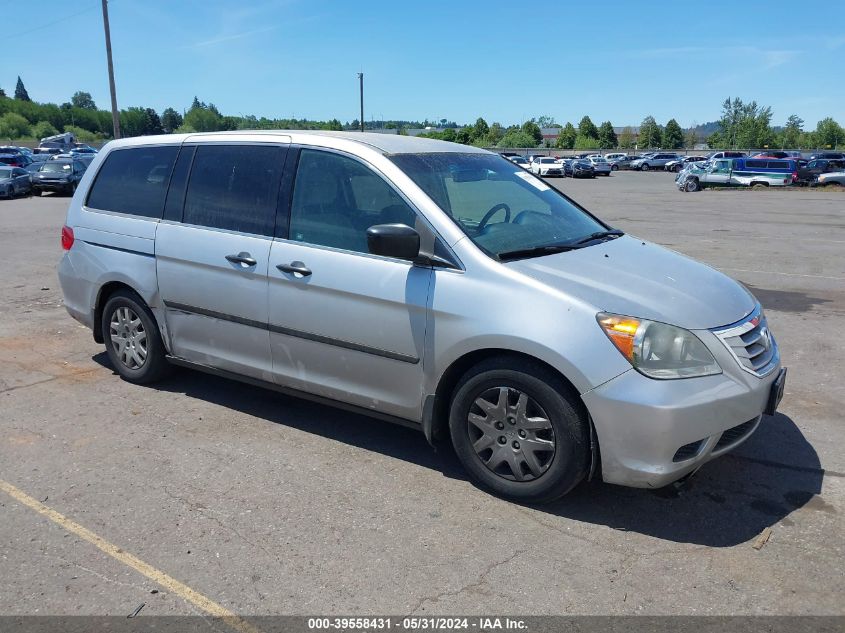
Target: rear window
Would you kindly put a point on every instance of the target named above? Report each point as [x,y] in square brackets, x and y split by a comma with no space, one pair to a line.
[134,181]
[235,187]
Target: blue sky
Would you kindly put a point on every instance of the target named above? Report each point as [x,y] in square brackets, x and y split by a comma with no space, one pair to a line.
[504,60]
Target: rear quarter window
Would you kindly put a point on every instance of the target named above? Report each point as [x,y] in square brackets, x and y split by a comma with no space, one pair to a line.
[778,164]
[134,181]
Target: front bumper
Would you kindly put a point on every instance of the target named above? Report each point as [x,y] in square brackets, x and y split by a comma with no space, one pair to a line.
[52,185]
[654,432]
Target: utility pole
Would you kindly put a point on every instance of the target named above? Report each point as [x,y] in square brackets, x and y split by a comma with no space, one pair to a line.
[115,117]
[361,91]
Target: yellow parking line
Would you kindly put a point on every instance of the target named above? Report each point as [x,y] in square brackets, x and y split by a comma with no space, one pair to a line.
[173,585]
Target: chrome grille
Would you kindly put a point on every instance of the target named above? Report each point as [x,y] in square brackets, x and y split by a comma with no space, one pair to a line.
[751,343]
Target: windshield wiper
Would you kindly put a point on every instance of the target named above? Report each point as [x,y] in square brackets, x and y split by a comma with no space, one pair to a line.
[599,235]
[537,251]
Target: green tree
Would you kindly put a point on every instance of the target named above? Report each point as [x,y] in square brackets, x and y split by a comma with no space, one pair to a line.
[517,138]
[464,135]
[480,130]
[586,142]
[13,126]
[43,129]
[83,100]
[791,134]
[650,134]
[2,93]
[588,129]
[335,125]
[202,120]
[607,137]
[533,130]
[829,134]
[170,120]
[20,91]
[627,138]
[449,135]
[690,138]
[546,121]
[673,135]
[153,122]
[495,134]
[566,137]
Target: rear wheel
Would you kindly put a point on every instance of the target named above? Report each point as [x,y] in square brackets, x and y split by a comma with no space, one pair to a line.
[519,431]
[614,168]
[676,168]
[133,342]
[759,185]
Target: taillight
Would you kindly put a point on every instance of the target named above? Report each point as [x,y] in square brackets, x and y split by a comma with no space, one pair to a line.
[67,237]
[794,176]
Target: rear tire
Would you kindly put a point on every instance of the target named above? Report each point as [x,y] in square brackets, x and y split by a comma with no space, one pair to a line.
[614,168]
[759,185]
[132,338]
[545,452]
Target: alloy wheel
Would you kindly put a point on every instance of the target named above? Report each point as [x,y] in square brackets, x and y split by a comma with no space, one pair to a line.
[128,337]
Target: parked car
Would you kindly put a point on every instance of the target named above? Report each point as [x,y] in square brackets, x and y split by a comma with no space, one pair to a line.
[546,166]
[15,160]
[832,178]
[809,174]
[33,167]
[82,148]
[778,154]
[57,175]
[13,181]
[537,338]
[729,154]
[737,172]
[680,163]
[46,152]
[521,161]
[600,165]
[653,161]
[578,168]
[833,155]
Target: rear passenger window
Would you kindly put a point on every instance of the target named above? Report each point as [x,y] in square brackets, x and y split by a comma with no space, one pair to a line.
[336,199]
[235,187]
[778,164]
[755,163]
[134,181]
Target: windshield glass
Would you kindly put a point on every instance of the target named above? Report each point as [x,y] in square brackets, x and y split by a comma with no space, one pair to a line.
[55,166]
[501,208]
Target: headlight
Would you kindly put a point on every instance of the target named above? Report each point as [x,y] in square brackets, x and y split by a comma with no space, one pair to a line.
[659,350]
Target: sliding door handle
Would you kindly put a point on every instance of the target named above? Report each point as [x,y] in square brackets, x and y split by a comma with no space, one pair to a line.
[242,258]
[295,267]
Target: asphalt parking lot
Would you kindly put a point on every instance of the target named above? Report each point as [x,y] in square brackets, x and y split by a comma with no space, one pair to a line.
[266,504]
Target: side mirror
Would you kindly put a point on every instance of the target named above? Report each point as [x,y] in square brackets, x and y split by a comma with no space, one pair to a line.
[393,240]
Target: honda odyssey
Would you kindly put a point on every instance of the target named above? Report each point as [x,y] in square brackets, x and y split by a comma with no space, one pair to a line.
[428,283]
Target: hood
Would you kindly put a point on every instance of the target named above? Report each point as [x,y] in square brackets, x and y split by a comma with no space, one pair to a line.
[630,277]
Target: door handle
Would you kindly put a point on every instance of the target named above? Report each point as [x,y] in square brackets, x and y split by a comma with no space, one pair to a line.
[242,258]
[295,267]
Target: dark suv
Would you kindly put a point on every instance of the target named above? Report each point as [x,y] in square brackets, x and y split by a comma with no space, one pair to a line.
[810,174]
[57,175]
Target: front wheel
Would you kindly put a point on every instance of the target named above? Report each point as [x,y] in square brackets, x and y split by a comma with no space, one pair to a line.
[676,168]
[133,342]
[644,167]
[614,168]
[519,431]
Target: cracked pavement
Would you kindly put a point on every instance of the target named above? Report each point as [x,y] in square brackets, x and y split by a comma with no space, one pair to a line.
[272,505]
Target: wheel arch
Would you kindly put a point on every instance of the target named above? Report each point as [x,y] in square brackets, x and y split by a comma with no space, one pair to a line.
[105,291]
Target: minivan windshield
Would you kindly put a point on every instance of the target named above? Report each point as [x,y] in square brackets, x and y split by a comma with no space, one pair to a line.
[506,211]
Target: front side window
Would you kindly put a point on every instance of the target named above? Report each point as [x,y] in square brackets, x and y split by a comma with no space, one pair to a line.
[501,208]
[336,199]
[123,183]
[235,187]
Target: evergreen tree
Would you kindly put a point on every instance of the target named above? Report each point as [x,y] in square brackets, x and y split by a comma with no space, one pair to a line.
[650,135]
[588,129]
[566,137]
[2,94]
[607,137]
[791,135]
[673,135]
[170,120]
[20,92]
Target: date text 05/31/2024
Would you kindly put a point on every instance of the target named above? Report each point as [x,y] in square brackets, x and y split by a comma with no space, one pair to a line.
[417,623]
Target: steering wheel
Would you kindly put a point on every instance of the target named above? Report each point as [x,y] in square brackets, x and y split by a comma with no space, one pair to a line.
[492,212]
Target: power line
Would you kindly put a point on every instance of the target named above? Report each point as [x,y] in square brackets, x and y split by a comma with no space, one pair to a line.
[49,24]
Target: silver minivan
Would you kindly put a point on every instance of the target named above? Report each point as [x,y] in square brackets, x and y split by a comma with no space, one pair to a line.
[433,284]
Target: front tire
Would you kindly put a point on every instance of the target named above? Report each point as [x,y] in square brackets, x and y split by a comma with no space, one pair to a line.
[519,430]
[692,185]
[132,338]
[614,168]
[644,167]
